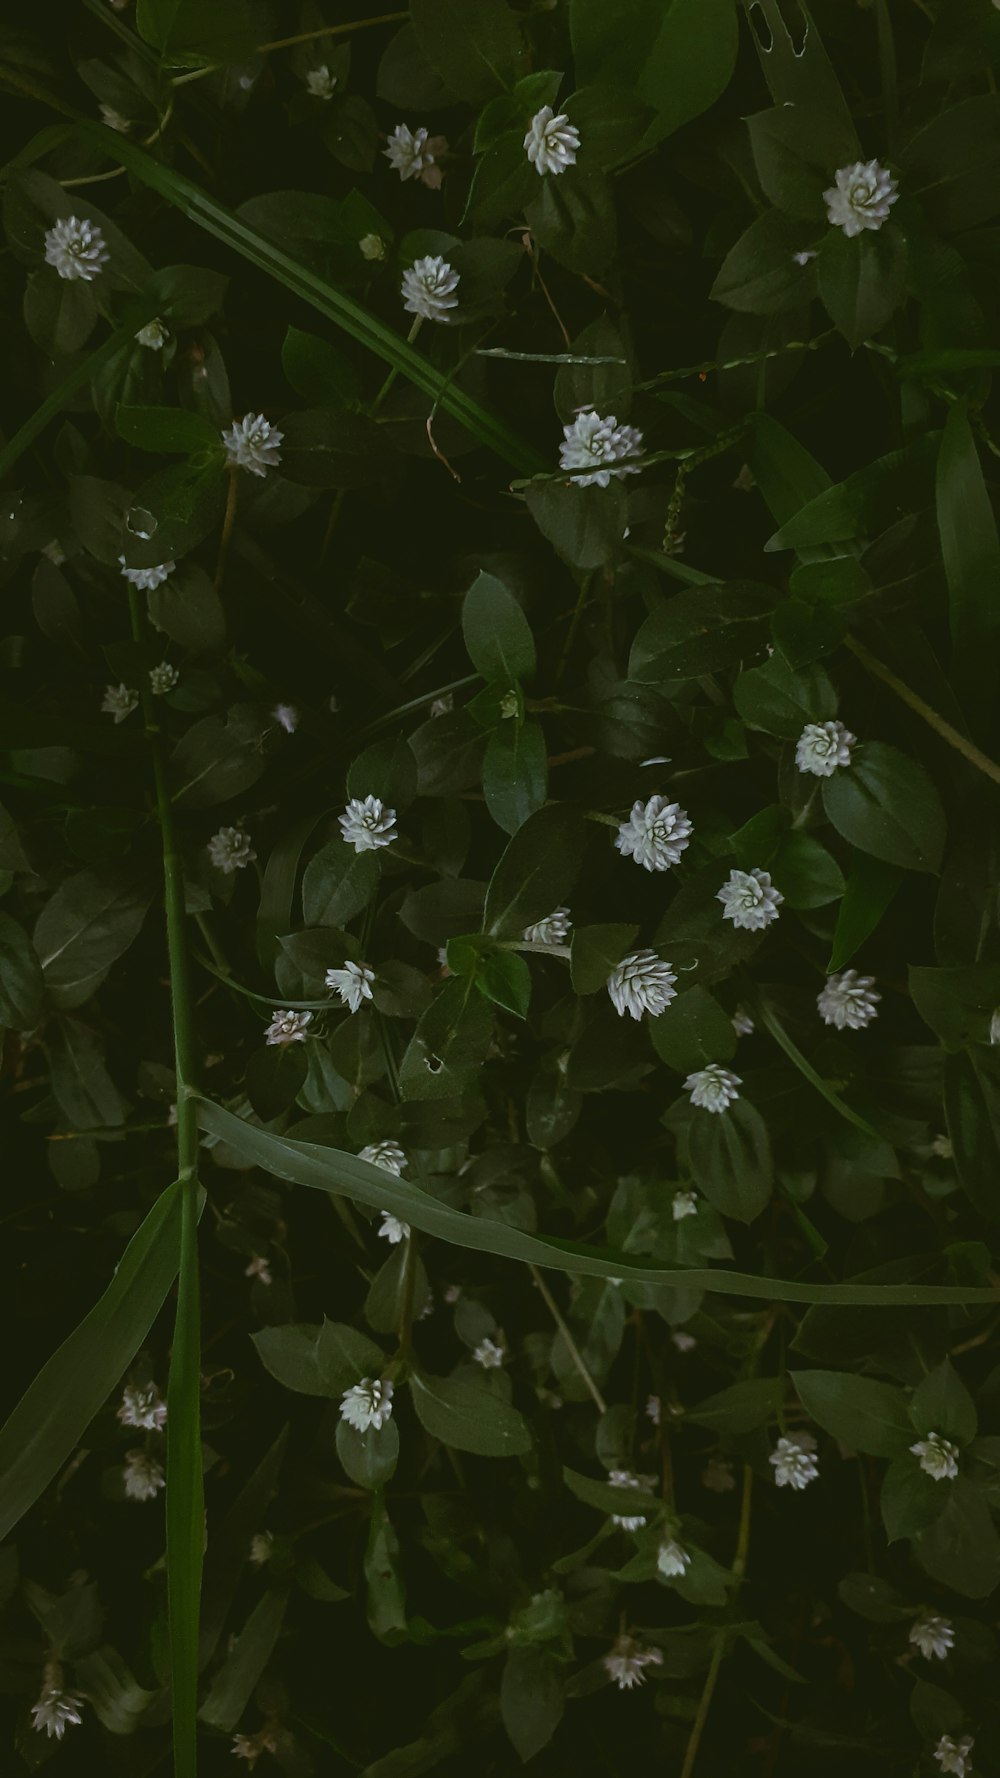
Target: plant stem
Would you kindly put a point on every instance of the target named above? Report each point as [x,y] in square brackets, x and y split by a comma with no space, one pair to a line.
[571,1345]
[185,1495]
[229,520]
[967,749]
[722,1635]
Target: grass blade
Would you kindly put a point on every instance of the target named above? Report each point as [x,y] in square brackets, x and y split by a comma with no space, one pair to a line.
[772,1023]
[73,1386]
[203,210]
[185,1492]
[344,1175]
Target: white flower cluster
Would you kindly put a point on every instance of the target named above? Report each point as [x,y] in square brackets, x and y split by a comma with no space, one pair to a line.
[672,1559]
[933,1636]
[163,678]
[77,249]
[553,930]
[146,579]
[955,1756]
[624,1478]
[143,1406]
[683,1204]
[393,1229]
[367,824]
[860,197]
[551,142]
[287,1027]
[793,1461]
[749,899]
[368,1403]
[490,1354]
[320,83]
[56,1709]
[143,1476]
[428,288]
[412,154]
[938,1456]
[387,1155]
[118,702]
[713,1088]
[655,834]
[252,443]
[849,1000]
[230,850]
[641,983]
[353,984]
[628,1660]
[601,447]
[822,747]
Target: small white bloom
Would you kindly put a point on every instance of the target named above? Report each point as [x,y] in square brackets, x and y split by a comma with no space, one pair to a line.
[142,1405]
[684,1204]
[551,142]
[119,701]
[938,1456]
[624,1478]
[288,1027]
[114,120]
[822,747]
[654,1409]
[995,1025]
[933,1636]
[713,1088]
[955,1756]
[672,1559]
[146,579]
[286,716]
[742,1023]
[143,1476]
[155,335]
[371,247]
[794,1463]
[259,1268]
[368,1403]
[848,1000]
[627,1661]
[320,83]
[55,1710]
[163,678]
[490,1354]
[428,288]
[717,1476]
[53,552]
[749,899]
[861,197]
[250,1747]
[640,983]
[655,834]
[230,850]
[387,1155]
[392,1230]
[553,930]
[76,248]
[684,1342]
[444,705]
[411,155]
[600,446]
[353,983]
[942,1149]
[368,825]
[261,1545]
[252,443]
[804,256]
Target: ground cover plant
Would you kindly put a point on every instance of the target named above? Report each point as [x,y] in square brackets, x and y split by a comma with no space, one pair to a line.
[499,953]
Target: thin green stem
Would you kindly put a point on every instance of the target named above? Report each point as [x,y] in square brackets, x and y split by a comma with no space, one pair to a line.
[722,1635]
[571,1345]
[263,49]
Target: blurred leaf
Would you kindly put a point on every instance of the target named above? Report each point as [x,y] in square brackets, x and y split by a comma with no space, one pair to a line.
[468,1417]
[886,805]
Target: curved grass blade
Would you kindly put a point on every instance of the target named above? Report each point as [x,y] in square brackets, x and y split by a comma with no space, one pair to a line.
[344,1175]
[73,1386]
[773,1024]
[185,1504]
[325,298]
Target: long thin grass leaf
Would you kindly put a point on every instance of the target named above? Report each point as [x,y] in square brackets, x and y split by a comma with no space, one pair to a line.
[73,1386]
[203,210]
[344,1175]
[185,1492]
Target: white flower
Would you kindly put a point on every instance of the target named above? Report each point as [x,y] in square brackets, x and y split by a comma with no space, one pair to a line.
[163,678]
[717,1476]
[861,197]
[410,153]
[54,552]
[553,930]
[954,1756]
[119,701]
[372,247]
[259,1268]
[230,850]
[320,83]
[672,1559]
[803,257]
[392,1230]
[250,1747]
[848,1000]
[146,579]
[942,1148]
[444,705]
[655,834]
[261,1545]
[794,1463]
[154,335]
[76,248]
[490,1354]
[143,1476]
[713,1088]
[623,1478]
[428,288]
[286,716]
[684,1342]
[742,1023]
[387,1155]
[654,1409]
[551,142]
[368,1403]
[601,446]
[749,899]
[368,825]
[55,1710]
[933,1636]
[353,983]
[684,1204]
[938,1456]
[252,443]
[114,120]
[640,983]
[288,1027]
[142,1405]
[995,1025]
[822,747]
[627,1660]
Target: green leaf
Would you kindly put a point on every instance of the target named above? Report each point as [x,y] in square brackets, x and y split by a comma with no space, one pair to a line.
[188,35]
[167,429]
[537,870]
[693,1030]
[730,1158]
[773,1024]
[497,633]
[858,1412]
[942,1403]
[957,1004]
[679,57]
[742,1407]
[505,978]
[595,952]
[702,630]
[886,805]
[970,549]
[862,281]
[467,1416]
[369,1457]
[50,1419]
[318,370]
[972,1109]
[779,700]
[85,926]
[870,888]
[22,985]
[449,1045]
[252,1648]
[337,884]
[809,876]
[759,274]
[532,1698]
[326,448]
[477,53]
[961,1548]
[515,773]
[585,525]
[218,758]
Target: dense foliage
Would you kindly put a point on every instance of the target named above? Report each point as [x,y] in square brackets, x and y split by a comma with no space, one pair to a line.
[499,777]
